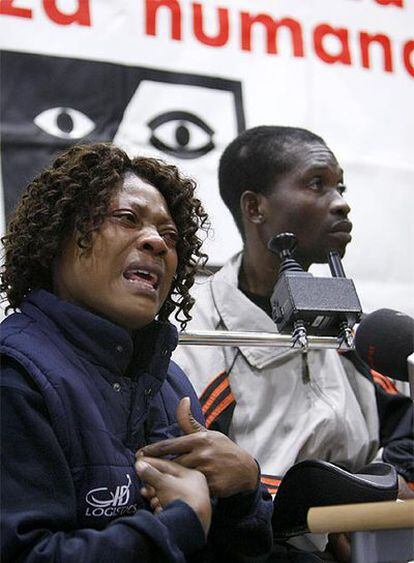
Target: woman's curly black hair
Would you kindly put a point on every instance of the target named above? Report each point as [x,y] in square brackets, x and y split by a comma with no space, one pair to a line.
[73,195]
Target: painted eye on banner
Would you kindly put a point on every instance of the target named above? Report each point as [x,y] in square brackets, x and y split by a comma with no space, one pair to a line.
[181,134]
[65,123]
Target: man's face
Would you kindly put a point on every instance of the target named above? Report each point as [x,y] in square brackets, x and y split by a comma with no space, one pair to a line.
[127,274]
[308,202]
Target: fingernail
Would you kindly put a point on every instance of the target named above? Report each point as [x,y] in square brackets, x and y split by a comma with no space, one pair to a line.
[139,453]
[141,466]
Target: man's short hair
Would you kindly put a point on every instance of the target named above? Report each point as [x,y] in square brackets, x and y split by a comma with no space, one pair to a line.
[255,160]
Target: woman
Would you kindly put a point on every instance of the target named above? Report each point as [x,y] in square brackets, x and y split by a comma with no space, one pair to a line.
[100,246]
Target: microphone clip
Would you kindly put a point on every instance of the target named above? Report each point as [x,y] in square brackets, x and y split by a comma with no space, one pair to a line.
[305,305]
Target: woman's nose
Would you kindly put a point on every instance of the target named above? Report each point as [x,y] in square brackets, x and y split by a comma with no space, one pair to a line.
[151,241]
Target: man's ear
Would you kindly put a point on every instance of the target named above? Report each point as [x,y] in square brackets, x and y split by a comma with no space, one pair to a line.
[253,207]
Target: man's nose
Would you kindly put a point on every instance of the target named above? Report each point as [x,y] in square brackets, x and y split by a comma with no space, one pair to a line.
[339,205]
[151,241]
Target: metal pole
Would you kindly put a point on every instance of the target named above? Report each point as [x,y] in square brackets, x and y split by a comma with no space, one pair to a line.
[229,338]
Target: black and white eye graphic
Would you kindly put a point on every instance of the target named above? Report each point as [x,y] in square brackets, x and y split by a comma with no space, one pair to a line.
[38,120]
[181,134]
[65,123]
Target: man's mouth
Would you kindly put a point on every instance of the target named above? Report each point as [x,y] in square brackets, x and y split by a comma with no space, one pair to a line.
[342,227]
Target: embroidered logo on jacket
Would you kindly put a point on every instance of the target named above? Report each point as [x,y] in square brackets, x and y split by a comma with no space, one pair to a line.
[105,502]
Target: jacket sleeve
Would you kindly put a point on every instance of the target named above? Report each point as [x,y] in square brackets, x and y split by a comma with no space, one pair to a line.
[209,372]
[396,415]
[39,522]
[241,524]
[396,419]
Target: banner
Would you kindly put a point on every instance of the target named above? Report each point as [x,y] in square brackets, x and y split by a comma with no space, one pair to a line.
[179,80]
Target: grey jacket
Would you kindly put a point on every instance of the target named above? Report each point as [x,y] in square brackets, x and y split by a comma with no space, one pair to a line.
[259,397]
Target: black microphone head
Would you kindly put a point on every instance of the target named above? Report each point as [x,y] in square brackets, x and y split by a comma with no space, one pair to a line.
[384,340]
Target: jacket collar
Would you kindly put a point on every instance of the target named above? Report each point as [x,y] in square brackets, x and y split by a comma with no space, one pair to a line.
[238,313]
[99,340]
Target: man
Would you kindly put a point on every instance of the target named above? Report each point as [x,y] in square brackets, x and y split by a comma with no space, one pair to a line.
[283,406]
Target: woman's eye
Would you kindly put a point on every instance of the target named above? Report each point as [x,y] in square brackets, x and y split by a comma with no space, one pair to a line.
[171,238]
[126,217]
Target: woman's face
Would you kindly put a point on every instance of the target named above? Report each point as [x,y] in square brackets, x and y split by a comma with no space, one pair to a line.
[127,274]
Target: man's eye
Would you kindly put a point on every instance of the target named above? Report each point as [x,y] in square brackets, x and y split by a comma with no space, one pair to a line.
[316,183]
[181,134]
[65,123]
[171,238]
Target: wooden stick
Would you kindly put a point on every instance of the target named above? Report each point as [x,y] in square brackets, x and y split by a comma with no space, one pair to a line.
[363,516]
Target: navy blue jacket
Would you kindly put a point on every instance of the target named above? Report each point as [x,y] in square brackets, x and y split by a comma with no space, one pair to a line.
[79,397]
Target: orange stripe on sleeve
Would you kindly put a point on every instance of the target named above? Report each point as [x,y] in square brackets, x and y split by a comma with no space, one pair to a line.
[219,409]
[384,382]
[211,383]
[270,481]
[214,395]
[270,490]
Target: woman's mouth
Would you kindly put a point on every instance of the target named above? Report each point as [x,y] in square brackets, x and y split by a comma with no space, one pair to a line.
[142,277]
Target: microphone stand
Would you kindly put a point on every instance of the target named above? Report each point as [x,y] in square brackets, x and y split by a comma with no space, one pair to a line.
[230,338]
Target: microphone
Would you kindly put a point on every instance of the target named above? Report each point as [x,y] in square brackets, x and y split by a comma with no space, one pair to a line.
[385,340]
[303,304]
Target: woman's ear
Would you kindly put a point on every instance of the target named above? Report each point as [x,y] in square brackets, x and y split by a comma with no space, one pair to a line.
[252,206]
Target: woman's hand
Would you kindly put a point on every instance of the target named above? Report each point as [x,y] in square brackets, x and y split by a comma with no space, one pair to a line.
[227,467]
[166,481]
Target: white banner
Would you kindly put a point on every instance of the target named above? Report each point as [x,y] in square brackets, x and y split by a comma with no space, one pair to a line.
[180,79]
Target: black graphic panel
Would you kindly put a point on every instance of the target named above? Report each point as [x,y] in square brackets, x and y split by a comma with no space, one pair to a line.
[49,103]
